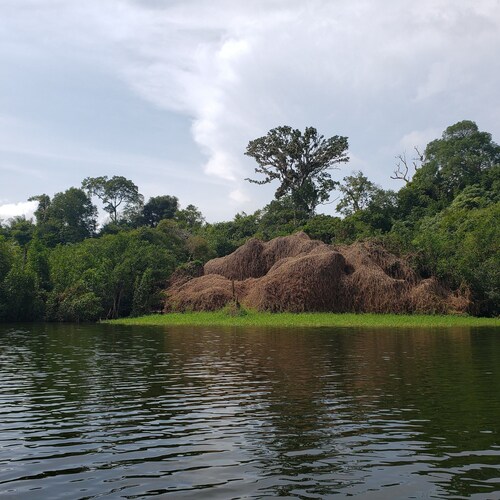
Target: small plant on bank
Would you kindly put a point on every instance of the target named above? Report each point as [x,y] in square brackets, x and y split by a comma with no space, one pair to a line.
[233,309]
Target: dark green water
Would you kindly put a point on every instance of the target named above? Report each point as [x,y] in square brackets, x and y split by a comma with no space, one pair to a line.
[112,412]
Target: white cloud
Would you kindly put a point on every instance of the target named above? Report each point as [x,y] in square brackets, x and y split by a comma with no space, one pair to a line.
[9,210]
[239,196]
[418,139]
[389,74]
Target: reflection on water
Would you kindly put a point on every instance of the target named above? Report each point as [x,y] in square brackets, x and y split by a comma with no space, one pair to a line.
[101,411]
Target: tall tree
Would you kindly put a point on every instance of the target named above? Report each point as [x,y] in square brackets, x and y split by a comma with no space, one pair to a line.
[21,230]
[300,162]
[41,212]
[357,192]
[190,218]
[114,193]
[462,155]
[68,218]
[158,208]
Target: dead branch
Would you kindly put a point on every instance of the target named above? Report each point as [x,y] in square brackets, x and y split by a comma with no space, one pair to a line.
[402,171]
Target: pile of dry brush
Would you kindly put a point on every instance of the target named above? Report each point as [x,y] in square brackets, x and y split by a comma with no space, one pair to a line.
[296,274]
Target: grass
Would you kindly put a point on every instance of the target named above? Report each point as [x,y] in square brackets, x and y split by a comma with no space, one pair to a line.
[222,318]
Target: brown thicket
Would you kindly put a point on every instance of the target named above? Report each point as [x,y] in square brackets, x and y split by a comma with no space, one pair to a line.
[295,273]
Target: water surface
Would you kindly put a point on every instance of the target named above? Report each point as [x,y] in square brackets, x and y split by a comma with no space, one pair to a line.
[129,412]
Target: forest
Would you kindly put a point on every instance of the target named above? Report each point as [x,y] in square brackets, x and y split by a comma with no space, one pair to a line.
[444,220]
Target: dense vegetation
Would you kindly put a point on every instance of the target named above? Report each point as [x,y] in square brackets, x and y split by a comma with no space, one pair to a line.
[445,218]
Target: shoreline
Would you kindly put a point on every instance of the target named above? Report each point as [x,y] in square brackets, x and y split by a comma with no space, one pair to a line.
[306,320]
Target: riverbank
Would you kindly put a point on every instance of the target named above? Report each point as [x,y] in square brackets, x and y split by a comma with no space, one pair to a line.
[222,318]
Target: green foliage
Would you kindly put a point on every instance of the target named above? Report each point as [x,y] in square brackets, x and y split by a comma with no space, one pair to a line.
[190,218]
[107,267]
[460,245]
[6,257]
[225,237]
[382,210]
[233,309]
[445,219]
[198,248]
[357,192]
[76,304]
[69,218]
[142,300]
[281,217]
[339,231]
[323,227]
[114,193]
[38,263]
[299,162]
[158,208]
[21,231]
[463,156]
[22,300]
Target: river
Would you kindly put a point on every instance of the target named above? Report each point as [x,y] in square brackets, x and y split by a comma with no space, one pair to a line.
[100,411]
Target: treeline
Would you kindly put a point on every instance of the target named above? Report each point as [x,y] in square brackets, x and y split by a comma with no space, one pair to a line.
[445,219]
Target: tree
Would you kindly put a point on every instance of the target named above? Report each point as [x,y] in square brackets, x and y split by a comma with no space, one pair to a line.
[198,248]
[98,277]
[69,217]
[357,192]
[22,297]
[381,211]
[190,218]
[158,208]
[460,245]
[21,230]
[41,212]
[142,298]
[280,218]
[462,155]
[300,162]
[114,193]
[402,170]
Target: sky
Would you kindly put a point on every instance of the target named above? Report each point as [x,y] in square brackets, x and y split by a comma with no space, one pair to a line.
[168,93]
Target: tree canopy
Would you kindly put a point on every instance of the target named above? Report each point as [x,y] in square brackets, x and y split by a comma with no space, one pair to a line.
[68,218]
[114,193]
[158,208]
[462,157]
[357,192]
[445,221]
[300,162]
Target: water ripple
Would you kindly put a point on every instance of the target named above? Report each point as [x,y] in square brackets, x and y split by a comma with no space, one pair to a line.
[103,412]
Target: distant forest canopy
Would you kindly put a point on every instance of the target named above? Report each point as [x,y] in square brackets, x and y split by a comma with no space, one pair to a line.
[445,220]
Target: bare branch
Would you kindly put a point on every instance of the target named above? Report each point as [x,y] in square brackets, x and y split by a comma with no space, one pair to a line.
[402,171]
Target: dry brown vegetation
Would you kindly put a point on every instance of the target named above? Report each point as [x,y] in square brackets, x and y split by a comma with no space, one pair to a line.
[297,274]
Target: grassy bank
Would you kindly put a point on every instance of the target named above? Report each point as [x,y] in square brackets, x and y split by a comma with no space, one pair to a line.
[221,318]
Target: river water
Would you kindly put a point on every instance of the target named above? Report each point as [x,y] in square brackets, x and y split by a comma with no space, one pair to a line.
[98,411]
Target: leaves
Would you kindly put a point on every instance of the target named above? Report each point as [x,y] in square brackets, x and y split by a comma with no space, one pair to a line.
[299,161]
[114,193]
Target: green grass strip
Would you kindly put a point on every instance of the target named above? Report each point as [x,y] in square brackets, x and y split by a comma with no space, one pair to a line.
[256,319]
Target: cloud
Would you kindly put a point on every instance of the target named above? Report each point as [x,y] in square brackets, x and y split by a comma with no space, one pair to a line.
[9,210]
[418,139]
[239,69]
[239,196]
[377,71]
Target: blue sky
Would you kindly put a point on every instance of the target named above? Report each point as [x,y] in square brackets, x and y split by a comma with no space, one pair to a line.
[168,93]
